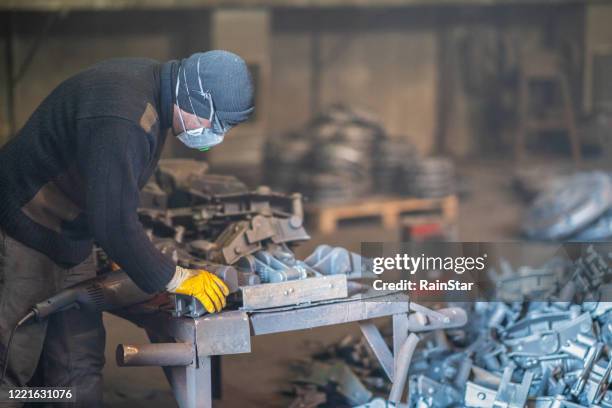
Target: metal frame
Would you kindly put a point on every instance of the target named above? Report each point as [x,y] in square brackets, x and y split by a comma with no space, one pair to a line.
[230,333]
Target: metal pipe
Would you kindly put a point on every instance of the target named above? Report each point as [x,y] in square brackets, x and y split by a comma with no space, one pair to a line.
[401,370]
[297,209]
[155,354]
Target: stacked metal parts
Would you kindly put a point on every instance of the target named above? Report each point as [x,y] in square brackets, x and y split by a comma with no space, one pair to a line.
[331,159]
[394,166]
[246,237]
[432,177]
[343,154]
[536,354]
[576,207]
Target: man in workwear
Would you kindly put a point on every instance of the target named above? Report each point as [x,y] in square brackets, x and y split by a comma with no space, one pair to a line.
[72,176]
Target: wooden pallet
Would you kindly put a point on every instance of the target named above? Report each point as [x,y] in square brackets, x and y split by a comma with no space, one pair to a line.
[389,210]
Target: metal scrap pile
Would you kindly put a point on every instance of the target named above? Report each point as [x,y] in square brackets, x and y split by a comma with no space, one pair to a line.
[343,154]
[530,180]
[246,237]
[343,375]
[535,353]
[576,207]
[542,354]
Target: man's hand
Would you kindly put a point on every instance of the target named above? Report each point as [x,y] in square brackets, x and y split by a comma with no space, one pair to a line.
[203,285]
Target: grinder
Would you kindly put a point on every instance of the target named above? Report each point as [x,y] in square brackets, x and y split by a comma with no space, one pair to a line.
[110,291]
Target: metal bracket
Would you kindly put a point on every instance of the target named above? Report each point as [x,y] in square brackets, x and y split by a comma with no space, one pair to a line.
[508,395]
[378,345]
[425,319]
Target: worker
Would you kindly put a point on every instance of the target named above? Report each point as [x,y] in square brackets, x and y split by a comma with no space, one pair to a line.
[71,177]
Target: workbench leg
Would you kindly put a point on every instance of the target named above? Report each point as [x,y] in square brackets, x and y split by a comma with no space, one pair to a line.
[215,377]
[378,346]
[199,392]
[191,385]
[400,334]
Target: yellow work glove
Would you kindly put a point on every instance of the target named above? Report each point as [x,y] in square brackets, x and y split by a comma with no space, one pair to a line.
[209,289]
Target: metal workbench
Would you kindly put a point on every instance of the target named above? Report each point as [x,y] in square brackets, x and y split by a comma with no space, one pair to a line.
[230,332]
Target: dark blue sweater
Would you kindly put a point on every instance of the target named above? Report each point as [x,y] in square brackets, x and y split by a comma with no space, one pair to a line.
[73,173]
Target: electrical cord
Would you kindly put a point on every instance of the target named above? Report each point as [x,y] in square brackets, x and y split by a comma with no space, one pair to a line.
[26,318]
[6,354]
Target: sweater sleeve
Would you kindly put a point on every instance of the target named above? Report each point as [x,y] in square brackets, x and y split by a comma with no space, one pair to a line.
[113,154]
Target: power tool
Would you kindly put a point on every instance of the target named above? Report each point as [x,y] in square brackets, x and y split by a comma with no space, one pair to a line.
[112,290]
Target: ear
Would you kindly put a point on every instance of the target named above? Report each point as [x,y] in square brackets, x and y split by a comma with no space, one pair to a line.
[176,121]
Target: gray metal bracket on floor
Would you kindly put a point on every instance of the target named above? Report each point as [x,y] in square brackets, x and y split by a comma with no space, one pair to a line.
[423,319]
[508,394]
[544,342]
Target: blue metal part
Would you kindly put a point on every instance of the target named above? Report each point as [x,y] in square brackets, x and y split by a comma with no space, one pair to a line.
[277,264]
[599,230]
[336,260]
[568,207]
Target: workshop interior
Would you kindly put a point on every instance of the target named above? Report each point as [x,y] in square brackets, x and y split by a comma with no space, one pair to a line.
[257,188]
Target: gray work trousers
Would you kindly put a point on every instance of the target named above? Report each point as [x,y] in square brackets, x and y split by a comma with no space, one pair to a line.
[65,350]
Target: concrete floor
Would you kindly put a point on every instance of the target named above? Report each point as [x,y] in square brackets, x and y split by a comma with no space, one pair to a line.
[489,211]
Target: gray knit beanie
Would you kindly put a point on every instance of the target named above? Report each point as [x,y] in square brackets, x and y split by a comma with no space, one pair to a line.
[226,76]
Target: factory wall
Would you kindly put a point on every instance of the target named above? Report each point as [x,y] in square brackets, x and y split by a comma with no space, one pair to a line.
[429,74]
[411,67]
[483,51]
[381,61]
[247,33]
[598,40]
[77,40]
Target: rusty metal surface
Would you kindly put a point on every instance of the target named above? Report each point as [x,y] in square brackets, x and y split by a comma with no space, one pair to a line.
[223,333]
[294,292]
[327,314]
[155,354]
